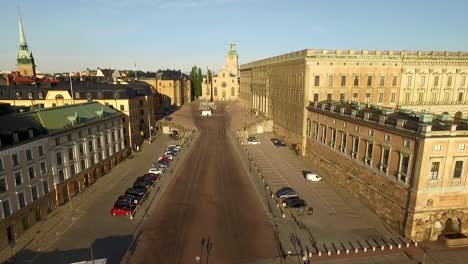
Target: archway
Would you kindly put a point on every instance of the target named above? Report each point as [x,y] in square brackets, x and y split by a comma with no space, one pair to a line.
[442,222]
[458,116]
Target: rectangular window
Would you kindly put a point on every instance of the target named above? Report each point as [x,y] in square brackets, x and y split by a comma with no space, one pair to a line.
[449,80]
[407,97]
[434,170]
[70,154]
[407,143]
[423,80]
[329,96]
[3,187]
[34,192]
[438,147]
[382,81]
[324,133]
[421,97]
[61,176]
[6,208]
[385,159]
[343,80]
[371,133]
[393,97]
[436,80]
[90,146]
[355,97]
[409,81]
[342,96]
[98,142]
[45,187]
[368,97]
[122,108]
[15,159]
[69,137]
[83,165]
[333,137]
[58,157]
[434,97]
[461,147]
[394,81]
[41,151]
[447,97]
[330,80]
[404,168]
[1,165]
[343,142]
[72,170]
[460,97]
[18,178]
[81,149]
[317,80]
[463,81]
[381,97]
[370,149]
[354,154]
[29,155]
[388,138]
[369,80]
[57,141]
[457,172]
[316,97]
[25,222]
[31,173]
[21,200]
[356,81]
[43,168]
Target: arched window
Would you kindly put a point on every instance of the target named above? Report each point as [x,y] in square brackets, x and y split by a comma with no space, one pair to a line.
[40,95]
[59,97]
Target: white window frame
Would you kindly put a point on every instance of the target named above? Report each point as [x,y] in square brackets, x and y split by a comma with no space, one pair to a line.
[461,147]
[438,147]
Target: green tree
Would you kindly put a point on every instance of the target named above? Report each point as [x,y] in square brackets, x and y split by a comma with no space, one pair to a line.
[199,82]
[193,81]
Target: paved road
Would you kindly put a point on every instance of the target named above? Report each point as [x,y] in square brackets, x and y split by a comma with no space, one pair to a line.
[209,210]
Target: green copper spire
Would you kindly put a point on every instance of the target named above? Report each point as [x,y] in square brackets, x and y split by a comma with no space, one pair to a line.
[21,32]
[232,48]
[25,59]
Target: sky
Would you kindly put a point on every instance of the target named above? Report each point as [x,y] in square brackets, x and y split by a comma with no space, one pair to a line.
[72,35]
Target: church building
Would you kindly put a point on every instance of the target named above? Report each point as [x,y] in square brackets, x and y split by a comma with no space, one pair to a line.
[25,59]
[225,85]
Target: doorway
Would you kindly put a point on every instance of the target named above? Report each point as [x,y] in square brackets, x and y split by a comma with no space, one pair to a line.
[11,234]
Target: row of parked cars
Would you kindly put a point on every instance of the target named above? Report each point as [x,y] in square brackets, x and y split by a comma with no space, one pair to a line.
[127,203]
[290,198]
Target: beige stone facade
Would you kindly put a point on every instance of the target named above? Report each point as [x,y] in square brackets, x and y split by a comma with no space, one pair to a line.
[409,167]
[225,84]
[281,87]
[173,89]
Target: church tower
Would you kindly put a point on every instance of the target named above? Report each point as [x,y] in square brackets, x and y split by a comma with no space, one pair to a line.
[231,60]
[25,59]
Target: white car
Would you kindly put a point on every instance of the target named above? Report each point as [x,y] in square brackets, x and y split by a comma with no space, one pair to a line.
[312,177]
[174,146]
[154,171]
[252,141]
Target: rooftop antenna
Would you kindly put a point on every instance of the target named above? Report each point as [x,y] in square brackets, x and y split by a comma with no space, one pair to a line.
[71,89]
[135,72]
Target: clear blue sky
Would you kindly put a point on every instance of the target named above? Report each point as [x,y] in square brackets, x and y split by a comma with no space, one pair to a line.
[73,35]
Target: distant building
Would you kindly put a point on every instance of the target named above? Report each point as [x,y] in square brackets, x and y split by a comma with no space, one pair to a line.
[173,88]
[135,100]
[48,156]
[225,85]
[409,167]
[25,59]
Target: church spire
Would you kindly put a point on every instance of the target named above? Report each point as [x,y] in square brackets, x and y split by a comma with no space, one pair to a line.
[25,59]
[22,38]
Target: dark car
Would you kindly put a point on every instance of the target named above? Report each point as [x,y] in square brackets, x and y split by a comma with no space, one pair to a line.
[146,178]
[160,163]
[278,142]
[142,184]
[137,191]
[286,192]
[152,176]
[294,203]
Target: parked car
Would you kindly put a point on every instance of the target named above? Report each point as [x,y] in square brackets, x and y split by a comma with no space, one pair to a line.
[152,176]
[252,141]
[146,178]
[155,171]
[295,203]
[169,157]
[312,177]
[169,152]
[122,208]
[128,198]
[164,158]
[160,163]
[137,191]
[278,142]
[142,184]
[178,147]
[136,198]
[286,192]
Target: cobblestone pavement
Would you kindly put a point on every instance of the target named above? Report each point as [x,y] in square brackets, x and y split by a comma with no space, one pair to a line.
[84,225]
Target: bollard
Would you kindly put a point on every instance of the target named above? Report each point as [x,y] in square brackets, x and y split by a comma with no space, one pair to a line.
[277,204]
[338,252]
[284,215]
[329,253]
[347,251]
[407,244]
[415,244]
[365,249]
[320,254]
[310,254]
[399,245]
[373,248]
[382,248]
[356,250]
[391,247]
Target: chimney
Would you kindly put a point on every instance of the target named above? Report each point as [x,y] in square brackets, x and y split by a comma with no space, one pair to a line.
[382,119]
[353,112]
[367,116]
[332,108]
[323,106]
[424,128]
[400,123]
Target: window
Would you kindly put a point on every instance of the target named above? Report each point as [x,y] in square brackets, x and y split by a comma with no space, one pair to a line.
[343,142]
[370,149]
[407,97]
[434,97]
[69,137]
[460,97]
[25,222]
[6,208]
[381,97]
[122,108]
[436,80]
[434,170]
[324,133]
[343,80]
[355,97]
[1,165]
[463,81]
[34,192]
[45,187]
[43,168]
[58,158]
[409,80]
[382,81]
[447,97]
[70,154]
[461,147]
[61,176]
[83,165]
[57,141]
[371,133]
[368,95]
[342,96]
[316,97]
[21,200]
[90,131]
[449,80]
[31,173]
[18,178]
[329,96]
[15,159]
[90,146]
[330,80]
[438,147]
[40,95]
[354,154]
[394,81]
[29,155]
[421,97]
[369,80]
[357,129]
[99,143]
[356,81]
[387,138]
[423,80]
[393,97]
[406,143]
[457,172]
[81,149]
[3,186]
[385,159]
[41,151]
[72,169]
[333,137]
[317,80]
[404,167]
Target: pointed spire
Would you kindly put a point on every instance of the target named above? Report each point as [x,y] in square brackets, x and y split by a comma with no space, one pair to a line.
[21,32]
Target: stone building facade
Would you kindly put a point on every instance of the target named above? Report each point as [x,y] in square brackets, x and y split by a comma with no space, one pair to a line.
[225,84]
[281,87]
[173,88]
[409,167]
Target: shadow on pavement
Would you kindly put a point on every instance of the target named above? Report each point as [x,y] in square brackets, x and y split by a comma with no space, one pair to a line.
[110,248]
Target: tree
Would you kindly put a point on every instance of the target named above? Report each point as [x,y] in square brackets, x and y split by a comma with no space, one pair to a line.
[193,81]
[199,82]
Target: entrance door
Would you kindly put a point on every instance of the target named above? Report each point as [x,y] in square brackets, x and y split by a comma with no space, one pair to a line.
[11,234]
[38,213]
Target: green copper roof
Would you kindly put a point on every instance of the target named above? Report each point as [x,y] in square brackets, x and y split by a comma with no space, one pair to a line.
[21,33]
[59,118]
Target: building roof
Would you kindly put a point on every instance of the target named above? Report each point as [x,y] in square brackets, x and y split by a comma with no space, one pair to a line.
[170,75]
[404,120]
